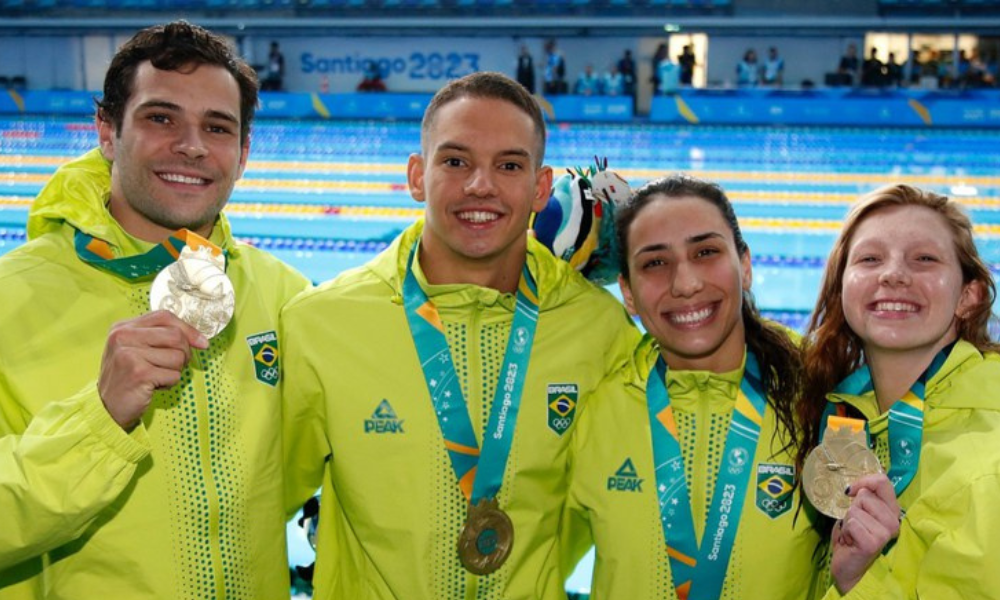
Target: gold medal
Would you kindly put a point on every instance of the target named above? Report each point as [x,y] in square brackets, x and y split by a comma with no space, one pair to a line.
[197,290]
[841,459]
[486,539]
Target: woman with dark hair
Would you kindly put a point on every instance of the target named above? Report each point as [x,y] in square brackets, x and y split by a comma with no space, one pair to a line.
[900,340]
[684,466]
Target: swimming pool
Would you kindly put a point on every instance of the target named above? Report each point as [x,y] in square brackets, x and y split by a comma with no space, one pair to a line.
[325,196]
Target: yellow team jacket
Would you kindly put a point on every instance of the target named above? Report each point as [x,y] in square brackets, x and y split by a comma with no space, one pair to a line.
[949,541]
[361,423]
[186,506]
[614,499]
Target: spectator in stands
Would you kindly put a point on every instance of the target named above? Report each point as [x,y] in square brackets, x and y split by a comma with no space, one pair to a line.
[614,82]
[626,66]
[992,69]
[372,80]
[526,69]
[849,65]
[686,61]
[748,70]
[976,75]
[661,54]
[669,76]
[962,67]
[873,71]
[588,83]
[555,70]
[774,68]
[152,470]
[929,70]
[274,77]
[893,71]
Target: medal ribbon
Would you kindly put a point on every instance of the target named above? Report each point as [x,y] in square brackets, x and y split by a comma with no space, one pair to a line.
[479,474]
[699,572]
[906,419]
[143,266]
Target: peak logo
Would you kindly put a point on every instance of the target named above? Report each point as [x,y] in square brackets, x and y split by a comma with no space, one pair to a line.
[384,420]
[625,479]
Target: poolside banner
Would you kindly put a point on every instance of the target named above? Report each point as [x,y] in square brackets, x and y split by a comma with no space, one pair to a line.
[587,108]
[47,103]
[837,106]
[343,106]
[411,106]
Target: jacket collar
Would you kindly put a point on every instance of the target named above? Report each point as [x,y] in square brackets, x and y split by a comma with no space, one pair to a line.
[963,357]
[550,275]
[77,195]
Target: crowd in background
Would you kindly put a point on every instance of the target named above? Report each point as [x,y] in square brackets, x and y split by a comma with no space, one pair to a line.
[669,74]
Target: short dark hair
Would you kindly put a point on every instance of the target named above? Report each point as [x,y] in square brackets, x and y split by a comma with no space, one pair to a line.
[487,84]
[172,47]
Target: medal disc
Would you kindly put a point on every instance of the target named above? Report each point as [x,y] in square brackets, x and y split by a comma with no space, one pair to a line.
[486,538]
[831,467]
[197,290]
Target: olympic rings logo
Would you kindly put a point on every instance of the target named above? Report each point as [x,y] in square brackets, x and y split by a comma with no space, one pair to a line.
[562,423]
[269,374]
[772,504]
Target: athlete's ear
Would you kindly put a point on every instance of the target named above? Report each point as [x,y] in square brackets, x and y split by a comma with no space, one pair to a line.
[746,271]
[415,177]
[627,295]
[543,189]
[106,136]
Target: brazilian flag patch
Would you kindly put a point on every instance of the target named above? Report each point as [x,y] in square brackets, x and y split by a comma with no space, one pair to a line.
[264,350]
[774,488]
[562,405]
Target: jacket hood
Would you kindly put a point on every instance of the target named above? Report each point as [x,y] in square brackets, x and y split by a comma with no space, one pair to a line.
[557,282]
[77,195]
[964,372]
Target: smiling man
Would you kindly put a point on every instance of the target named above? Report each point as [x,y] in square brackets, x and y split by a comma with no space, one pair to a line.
[434,390]
[144,462]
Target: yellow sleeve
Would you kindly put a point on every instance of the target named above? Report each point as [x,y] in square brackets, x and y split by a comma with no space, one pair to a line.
[305,447]
[575,536]
[959,563]
[624,345]
[875,585]
[962,562]
[69,464]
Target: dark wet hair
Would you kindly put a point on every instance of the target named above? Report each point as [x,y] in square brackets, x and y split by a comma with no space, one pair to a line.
[778,355]
[176,46]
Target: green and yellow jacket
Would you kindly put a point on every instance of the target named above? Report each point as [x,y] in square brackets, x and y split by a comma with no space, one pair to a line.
[361,423]
[949,540]
[615,501]
[188,505]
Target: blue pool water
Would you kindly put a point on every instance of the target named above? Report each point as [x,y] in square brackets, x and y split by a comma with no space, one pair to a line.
[326,196]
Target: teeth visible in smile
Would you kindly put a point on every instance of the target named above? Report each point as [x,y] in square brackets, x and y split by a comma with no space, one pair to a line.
[895,307]
[177,178]
[688,318]
[478,216]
